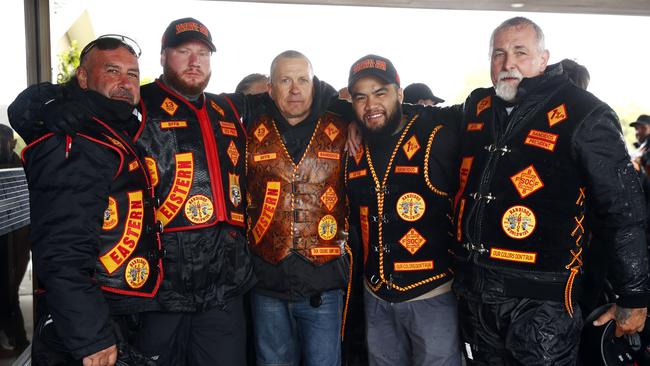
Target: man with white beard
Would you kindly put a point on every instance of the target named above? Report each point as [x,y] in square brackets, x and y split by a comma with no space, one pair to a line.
[537,155]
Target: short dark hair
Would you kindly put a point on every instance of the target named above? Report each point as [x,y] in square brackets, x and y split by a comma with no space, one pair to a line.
[577,73]
[249,80]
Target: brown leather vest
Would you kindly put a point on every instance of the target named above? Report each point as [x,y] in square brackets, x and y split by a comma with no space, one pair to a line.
[296,208]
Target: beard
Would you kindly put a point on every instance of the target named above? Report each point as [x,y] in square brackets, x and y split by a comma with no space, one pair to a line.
[389,127]
[177,83]
[507,90]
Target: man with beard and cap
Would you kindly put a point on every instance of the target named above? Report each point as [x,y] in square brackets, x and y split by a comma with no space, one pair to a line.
[401,186]
[96,254]
[297,227]
[537,154]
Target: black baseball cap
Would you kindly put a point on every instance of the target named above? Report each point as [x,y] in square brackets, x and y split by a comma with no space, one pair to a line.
[417,91]
[185,29]
[373,65]
[643,119]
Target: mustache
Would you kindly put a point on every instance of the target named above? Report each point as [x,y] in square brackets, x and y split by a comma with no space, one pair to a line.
[123,93]
[514,73]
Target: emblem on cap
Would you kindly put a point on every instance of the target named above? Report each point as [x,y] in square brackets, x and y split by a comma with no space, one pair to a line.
[199,209]
[518,222]
[137,272]
[327,227]
[410,206]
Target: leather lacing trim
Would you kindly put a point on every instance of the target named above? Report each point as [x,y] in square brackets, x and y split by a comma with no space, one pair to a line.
[349,291]
[576,254]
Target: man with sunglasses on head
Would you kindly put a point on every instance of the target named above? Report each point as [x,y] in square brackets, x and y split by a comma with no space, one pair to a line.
[94,243]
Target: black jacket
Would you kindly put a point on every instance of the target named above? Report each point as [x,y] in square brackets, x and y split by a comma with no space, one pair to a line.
[597,151]
[70,180]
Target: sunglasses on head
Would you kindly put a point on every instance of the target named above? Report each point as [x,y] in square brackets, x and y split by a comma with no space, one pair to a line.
[111,42]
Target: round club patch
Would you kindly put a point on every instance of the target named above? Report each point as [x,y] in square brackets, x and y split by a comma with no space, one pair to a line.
[327,227]
[411,206]
[199,209]
[110,215]
[137,272]
[518,222]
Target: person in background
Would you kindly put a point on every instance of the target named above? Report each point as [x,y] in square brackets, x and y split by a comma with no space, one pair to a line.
[578,74]
[253,84]
[419,93]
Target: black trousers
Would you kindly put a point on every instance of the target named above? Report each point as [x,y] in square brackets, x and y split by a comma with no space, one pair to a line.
[215,337]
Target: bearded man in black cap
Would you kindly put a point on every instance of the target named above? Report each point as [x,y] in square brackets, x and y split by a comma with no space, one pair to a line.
[401,187]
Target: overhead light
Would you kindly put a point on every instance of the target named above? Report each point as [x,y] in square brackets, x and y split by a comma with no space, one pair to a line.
[517,5]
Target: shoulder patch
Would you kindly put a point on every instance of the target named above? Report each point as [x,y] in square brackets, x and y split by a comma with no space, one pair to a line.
[216,107]
[557,115]
[331,131]
[483,104]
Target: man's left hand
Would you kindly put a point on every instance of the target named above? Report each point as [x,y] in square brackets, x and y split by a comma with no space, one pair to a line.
[628,320]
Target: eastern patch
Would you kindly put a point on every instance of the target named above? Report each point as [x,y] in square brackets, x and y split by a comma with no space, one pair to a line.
[126,244]
[527,181]
[327,227]
[410,206]
[183,177]
[199,209]
[169,106]
[412,241]
[518,222]
[137,272]
[271,198]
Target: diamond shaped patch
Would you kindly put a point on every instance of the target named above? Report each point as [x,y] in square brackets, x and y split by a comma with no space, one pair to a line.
[527,181]
[331,131]
[329,198]
[169,106]
[411,147]
[260,132]
[556,115]
[412,241]
[233,153]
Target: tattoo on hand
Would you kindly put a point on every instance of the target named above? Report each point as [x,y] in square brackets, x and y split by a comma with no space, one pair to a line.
[622,314]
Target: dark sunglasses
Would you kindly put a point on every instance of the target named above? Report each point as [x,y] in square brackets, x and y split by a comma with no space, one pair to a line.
[111,42]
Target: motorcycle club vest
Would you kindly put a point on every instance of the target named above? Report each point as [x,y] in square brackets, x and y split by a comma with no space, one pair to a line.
[521,203]
[129,262]
[297,208]
[404,219]
[195,157]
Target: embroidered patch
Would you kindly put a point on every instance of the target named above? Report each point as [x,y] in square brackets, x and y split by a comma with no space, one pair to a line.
[410,206]
[216,107]
[199,209]
[411,147]
[228,128]
[271,198]
[513,255]
[169,106]
[527,181]
[405,169]
[327,227]
[557,115]
[115,142]
[164,125]
[329,155]
[473,127]
[412,241]
[541,139]
[110,215]
[483,104]
[115,257]
[325,251]
[518,222]
[137,272]
[183,176]
[329,198]
[153,170]
[359,155]
[133,165]
[237,217]
[264,157]
[331,131]
[261,132]
[465,167]
[365,230]
[358,173]
[234,189]
[413,266]
[459,224]
[233,153]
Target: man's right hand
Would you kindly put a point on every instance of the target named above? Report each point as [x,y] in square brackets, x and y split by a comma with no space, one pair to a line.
[105,357]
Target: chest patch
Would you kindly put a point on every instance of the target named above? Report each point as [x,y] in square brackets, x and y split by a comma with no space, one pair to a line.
[411,147]
[331,131]
[359,155]
[199,209]
[518,222]
[557,115]
[110,215]
[483,104]
[329,198]
[410,207]
[169,106]
[137,272]
[541,139]
[228,128]
[152,167]
[327,227]
[261,132]
[233,153]
[412,241]
[475,127]
[216,107]
[165,125]
[527,181]
[234,189]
